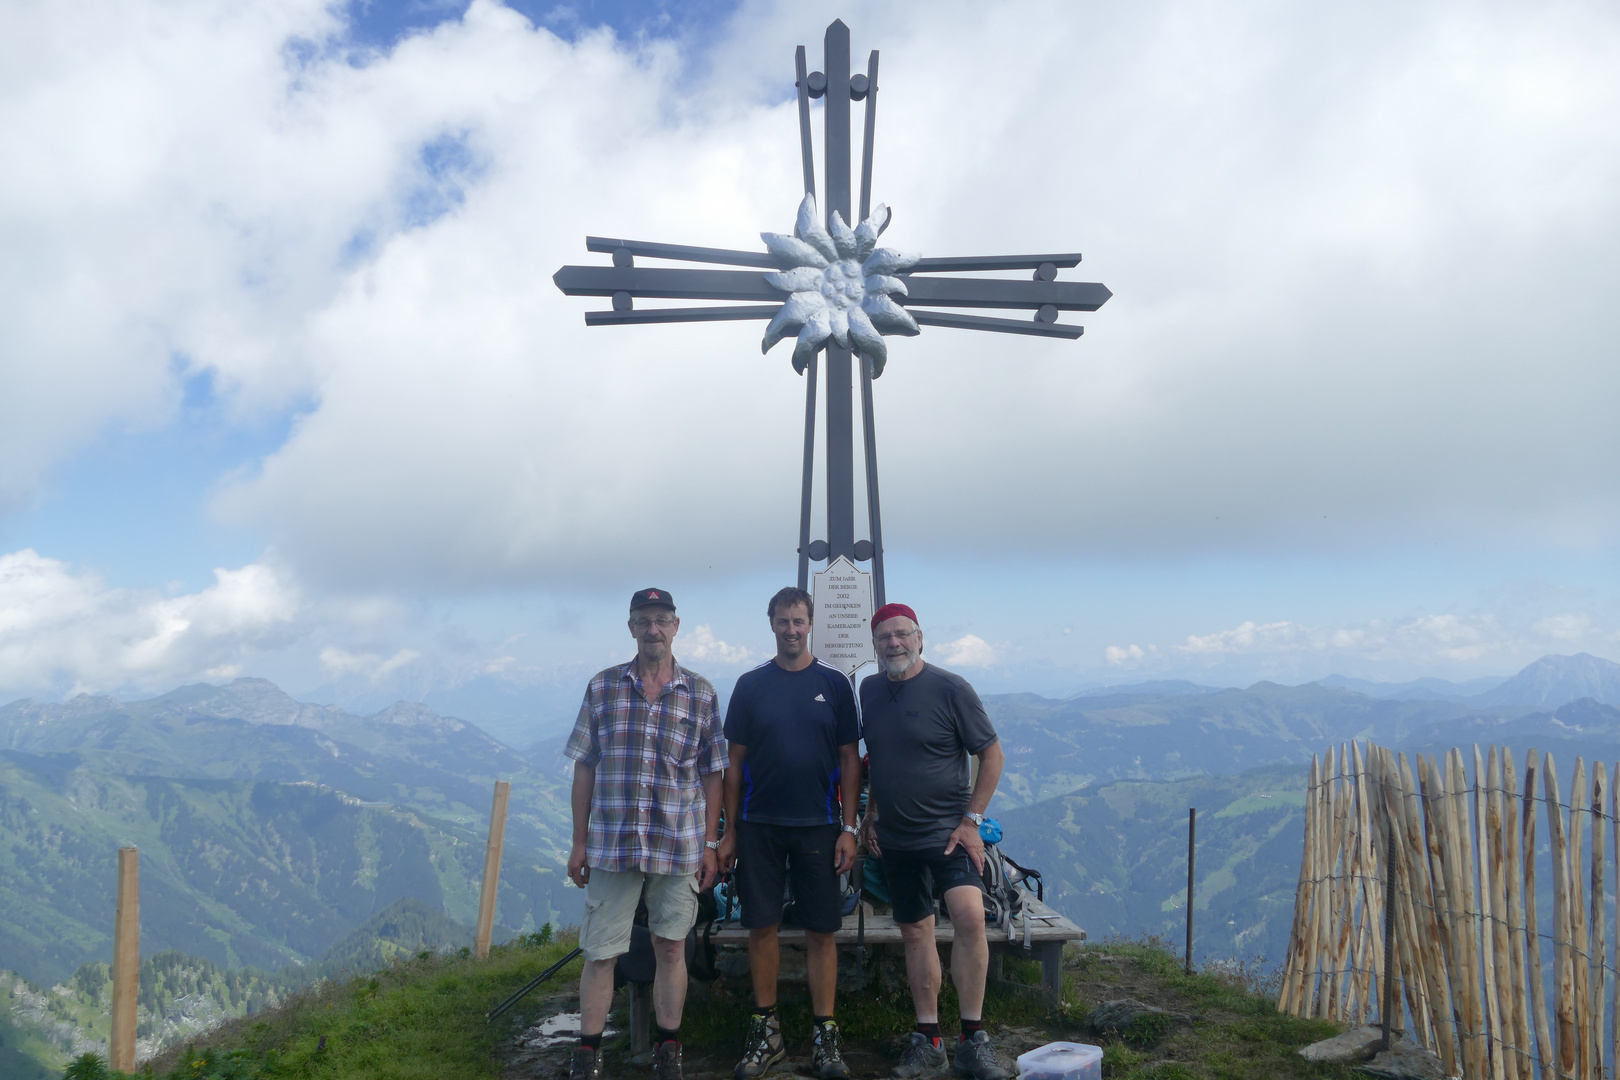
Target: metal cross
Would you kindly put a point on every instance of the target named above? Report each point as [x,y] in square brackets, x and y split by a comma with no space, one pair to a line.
[843,330]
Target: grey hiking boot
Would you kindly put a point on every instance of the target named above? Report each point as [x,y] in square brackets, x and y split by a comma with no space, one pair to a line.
[587,1064]
[667,1061]
[922,1055]
[825,1060]
[763,1049]
[977,1057]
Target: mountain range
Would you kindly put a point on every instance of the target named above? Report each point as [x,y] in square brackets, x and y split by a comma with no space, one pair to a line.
[271,829]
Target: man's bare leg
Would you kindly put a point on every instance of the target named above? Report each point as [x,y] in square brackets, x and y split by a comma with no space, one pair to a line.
[821,962]
[922,968]
[970,950]
[669,981]
[595,996]
[764,964]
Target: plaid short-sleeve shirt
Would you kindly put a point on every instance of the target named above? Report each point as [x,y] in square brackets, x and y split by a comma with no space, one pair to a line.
[647,809]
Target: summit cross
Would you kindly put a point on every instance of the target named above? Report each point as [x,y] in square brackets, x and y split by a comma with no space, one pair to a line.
[831,287]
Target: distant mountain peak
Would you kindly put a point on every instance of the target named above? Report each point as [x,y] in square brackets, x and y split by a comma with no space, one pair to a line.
[1553,681]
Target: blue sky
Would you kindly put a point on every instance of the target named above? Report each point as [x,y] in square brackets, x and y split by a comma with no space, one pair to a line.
[285,389]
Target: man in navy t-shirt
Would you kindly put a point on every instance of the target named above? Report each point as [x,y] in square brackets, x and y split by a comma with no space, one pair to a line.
[791,789]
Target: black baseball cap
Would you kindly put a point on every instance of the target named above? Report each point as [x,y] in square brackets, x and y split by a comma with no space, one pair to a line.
[652,598]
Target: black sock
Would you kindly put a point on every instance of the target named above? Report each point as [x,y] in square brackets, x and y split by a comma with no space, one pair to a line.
[668,1035]
[969,1027]
[930,1030]
[823,1020]
[592,1041]
[766,1011]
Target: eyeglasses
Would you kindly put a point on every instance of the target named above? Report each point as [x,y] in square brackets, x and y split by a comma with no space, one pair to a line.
[895,635]
[663,622]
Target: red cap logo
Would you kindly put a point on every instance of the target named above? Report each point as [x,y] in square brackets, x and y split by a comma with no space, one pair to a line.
[652,594]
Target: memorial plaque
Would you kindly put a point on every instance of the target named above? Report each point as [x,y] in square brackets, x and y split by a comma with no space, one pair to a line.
[842,635]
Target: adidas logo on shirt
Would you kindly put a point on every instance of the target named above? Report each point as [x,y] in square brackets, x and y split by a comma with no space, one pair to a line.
[821,699]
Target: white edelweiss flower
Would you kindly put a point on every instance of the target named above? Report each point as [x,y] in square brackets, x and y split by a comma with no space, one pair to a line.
[839,286]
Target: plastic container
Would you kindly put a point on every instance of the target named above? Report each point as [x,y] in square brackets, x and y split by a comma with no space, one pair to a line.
[1061,1061]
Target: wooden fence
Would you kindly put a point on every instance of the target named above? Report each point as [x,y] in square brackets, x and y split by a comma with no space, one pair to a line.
[1500,960]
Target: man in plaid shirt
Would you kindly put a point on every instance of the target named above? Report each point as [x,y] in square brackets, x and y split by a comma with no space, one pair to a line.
[648,758]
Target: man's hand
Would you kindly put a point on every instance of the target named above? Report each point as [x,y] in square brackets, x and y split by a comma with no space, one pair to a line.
[967,836]
[844,853]
[578,872]
[728,853]
[869,834]
[709,872]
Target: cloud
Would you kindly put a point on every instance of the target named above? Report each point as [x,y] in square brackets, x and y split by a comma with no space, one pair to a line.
[970,651]
[1124,655]
[1310,222]
[69,629]
[700,644]
[338,662]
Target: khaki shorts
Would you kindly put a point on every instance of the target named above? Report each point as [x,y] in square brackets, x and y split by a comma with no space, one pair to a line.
[610,909]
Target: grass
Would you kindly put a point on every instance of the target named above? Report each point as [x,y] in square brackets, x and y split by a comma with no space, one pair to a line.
[418,1020]
[423,1019]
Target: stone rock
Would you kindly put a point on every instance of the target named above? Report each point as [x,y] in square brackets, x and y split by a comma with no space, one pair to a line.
[1354,1046]
[1406,1060]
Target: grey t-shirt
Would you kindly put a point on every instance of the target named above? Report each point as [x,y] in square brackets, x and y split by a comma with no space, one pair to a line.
[919,733]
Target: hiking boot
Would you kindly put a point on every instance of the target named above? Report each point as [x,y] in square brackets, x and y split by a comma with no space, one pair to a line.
[923,1055]
[763,1049]
[587,1064]
[977,1057]
[667,1061]
[825,1060]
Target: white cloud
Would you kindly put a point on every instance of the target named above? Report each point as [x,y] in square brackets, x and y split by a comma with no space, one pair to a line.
[1124,655]
[339,662]
[700,644]
[67,628]
[190,187]
[969,651]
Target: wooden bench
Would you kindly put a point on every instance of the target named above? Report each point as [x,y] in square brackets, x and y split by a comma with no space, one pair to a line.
[1048,933]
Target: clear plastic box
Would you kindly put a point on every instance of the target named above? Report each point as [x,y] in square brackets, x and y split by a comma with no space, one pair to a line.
[1061,1061]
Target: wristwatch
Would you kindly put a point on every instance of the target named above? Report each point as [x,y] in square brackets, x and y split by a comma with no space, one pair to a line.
[712,845]
[977,819]
[852,830]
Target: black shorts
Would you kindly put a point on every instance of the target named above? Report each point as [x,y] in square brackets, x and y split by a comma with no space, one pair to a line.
[916,877]
[769,856]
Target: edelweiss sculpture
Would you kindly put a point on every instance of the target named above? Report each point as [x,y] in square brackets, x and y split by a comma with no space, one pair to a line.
[840,285]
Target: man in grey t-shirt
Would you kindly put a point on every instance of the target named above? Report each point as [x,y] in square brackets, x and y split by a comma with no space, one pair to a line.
[920,723]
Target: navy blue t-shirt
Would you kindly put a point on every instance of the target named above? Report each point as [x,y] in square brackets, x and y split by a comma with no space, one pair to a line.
[792,723]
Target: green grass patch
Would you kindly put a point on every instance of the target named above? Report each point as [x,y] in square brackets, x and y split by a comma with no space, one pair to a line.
[420,1019]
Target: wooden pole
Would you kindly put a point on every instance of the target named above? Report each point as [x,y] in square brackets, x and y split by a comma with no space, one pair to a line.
[1577,920]
[126,969]
[1487,912]
[1466,926]
[1192,833]
[492,869]
[1563,963]
[1366,885]
[1405,921]
[1338,871]
[1614,819]
[1318,892]
[1536,983]
[1513,873]
[1433,789]
[1598,936]
[1289,997]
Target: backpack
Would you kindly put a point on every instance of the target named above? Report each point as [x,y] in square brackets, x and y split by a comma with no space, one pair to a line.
[1005,886]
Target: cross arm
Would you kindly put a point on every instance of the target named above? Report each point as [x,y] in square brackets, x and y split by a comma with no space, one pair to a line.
[680,283]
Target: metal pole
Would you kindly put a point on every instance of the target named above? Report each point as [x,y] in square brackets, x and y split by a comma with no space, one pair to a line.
[805,151]
[874,516]
[492,869]
[126,970]
[1192,835]
[809,470]
[840,421]
[871,129]
[1389,938]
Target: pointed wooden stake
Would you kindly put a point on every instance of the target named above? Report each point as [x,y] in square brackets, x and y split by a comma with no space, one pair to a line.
[492,869]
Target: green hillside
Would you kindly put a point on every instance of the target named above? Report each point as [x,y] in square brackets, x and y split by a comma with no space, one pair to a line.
[238,872]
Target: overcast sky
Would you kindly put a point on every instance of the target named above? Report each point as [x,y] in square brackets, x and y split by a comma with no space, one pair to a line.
[286,389]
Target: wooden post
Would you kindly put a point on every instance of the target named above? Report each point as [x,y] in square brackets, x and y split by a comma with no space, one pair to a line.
[492,869]
[1388,1005]
[1426,933]
[1514,875]
[1614,819]
[1534,982]
[1361,964]
[1597,936]
[1563,962]
[1321,948]
[1487,913]
[126,968]
[1433,794]
[1192,832]
[1288,998]
[1465,927]
[1577,920]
